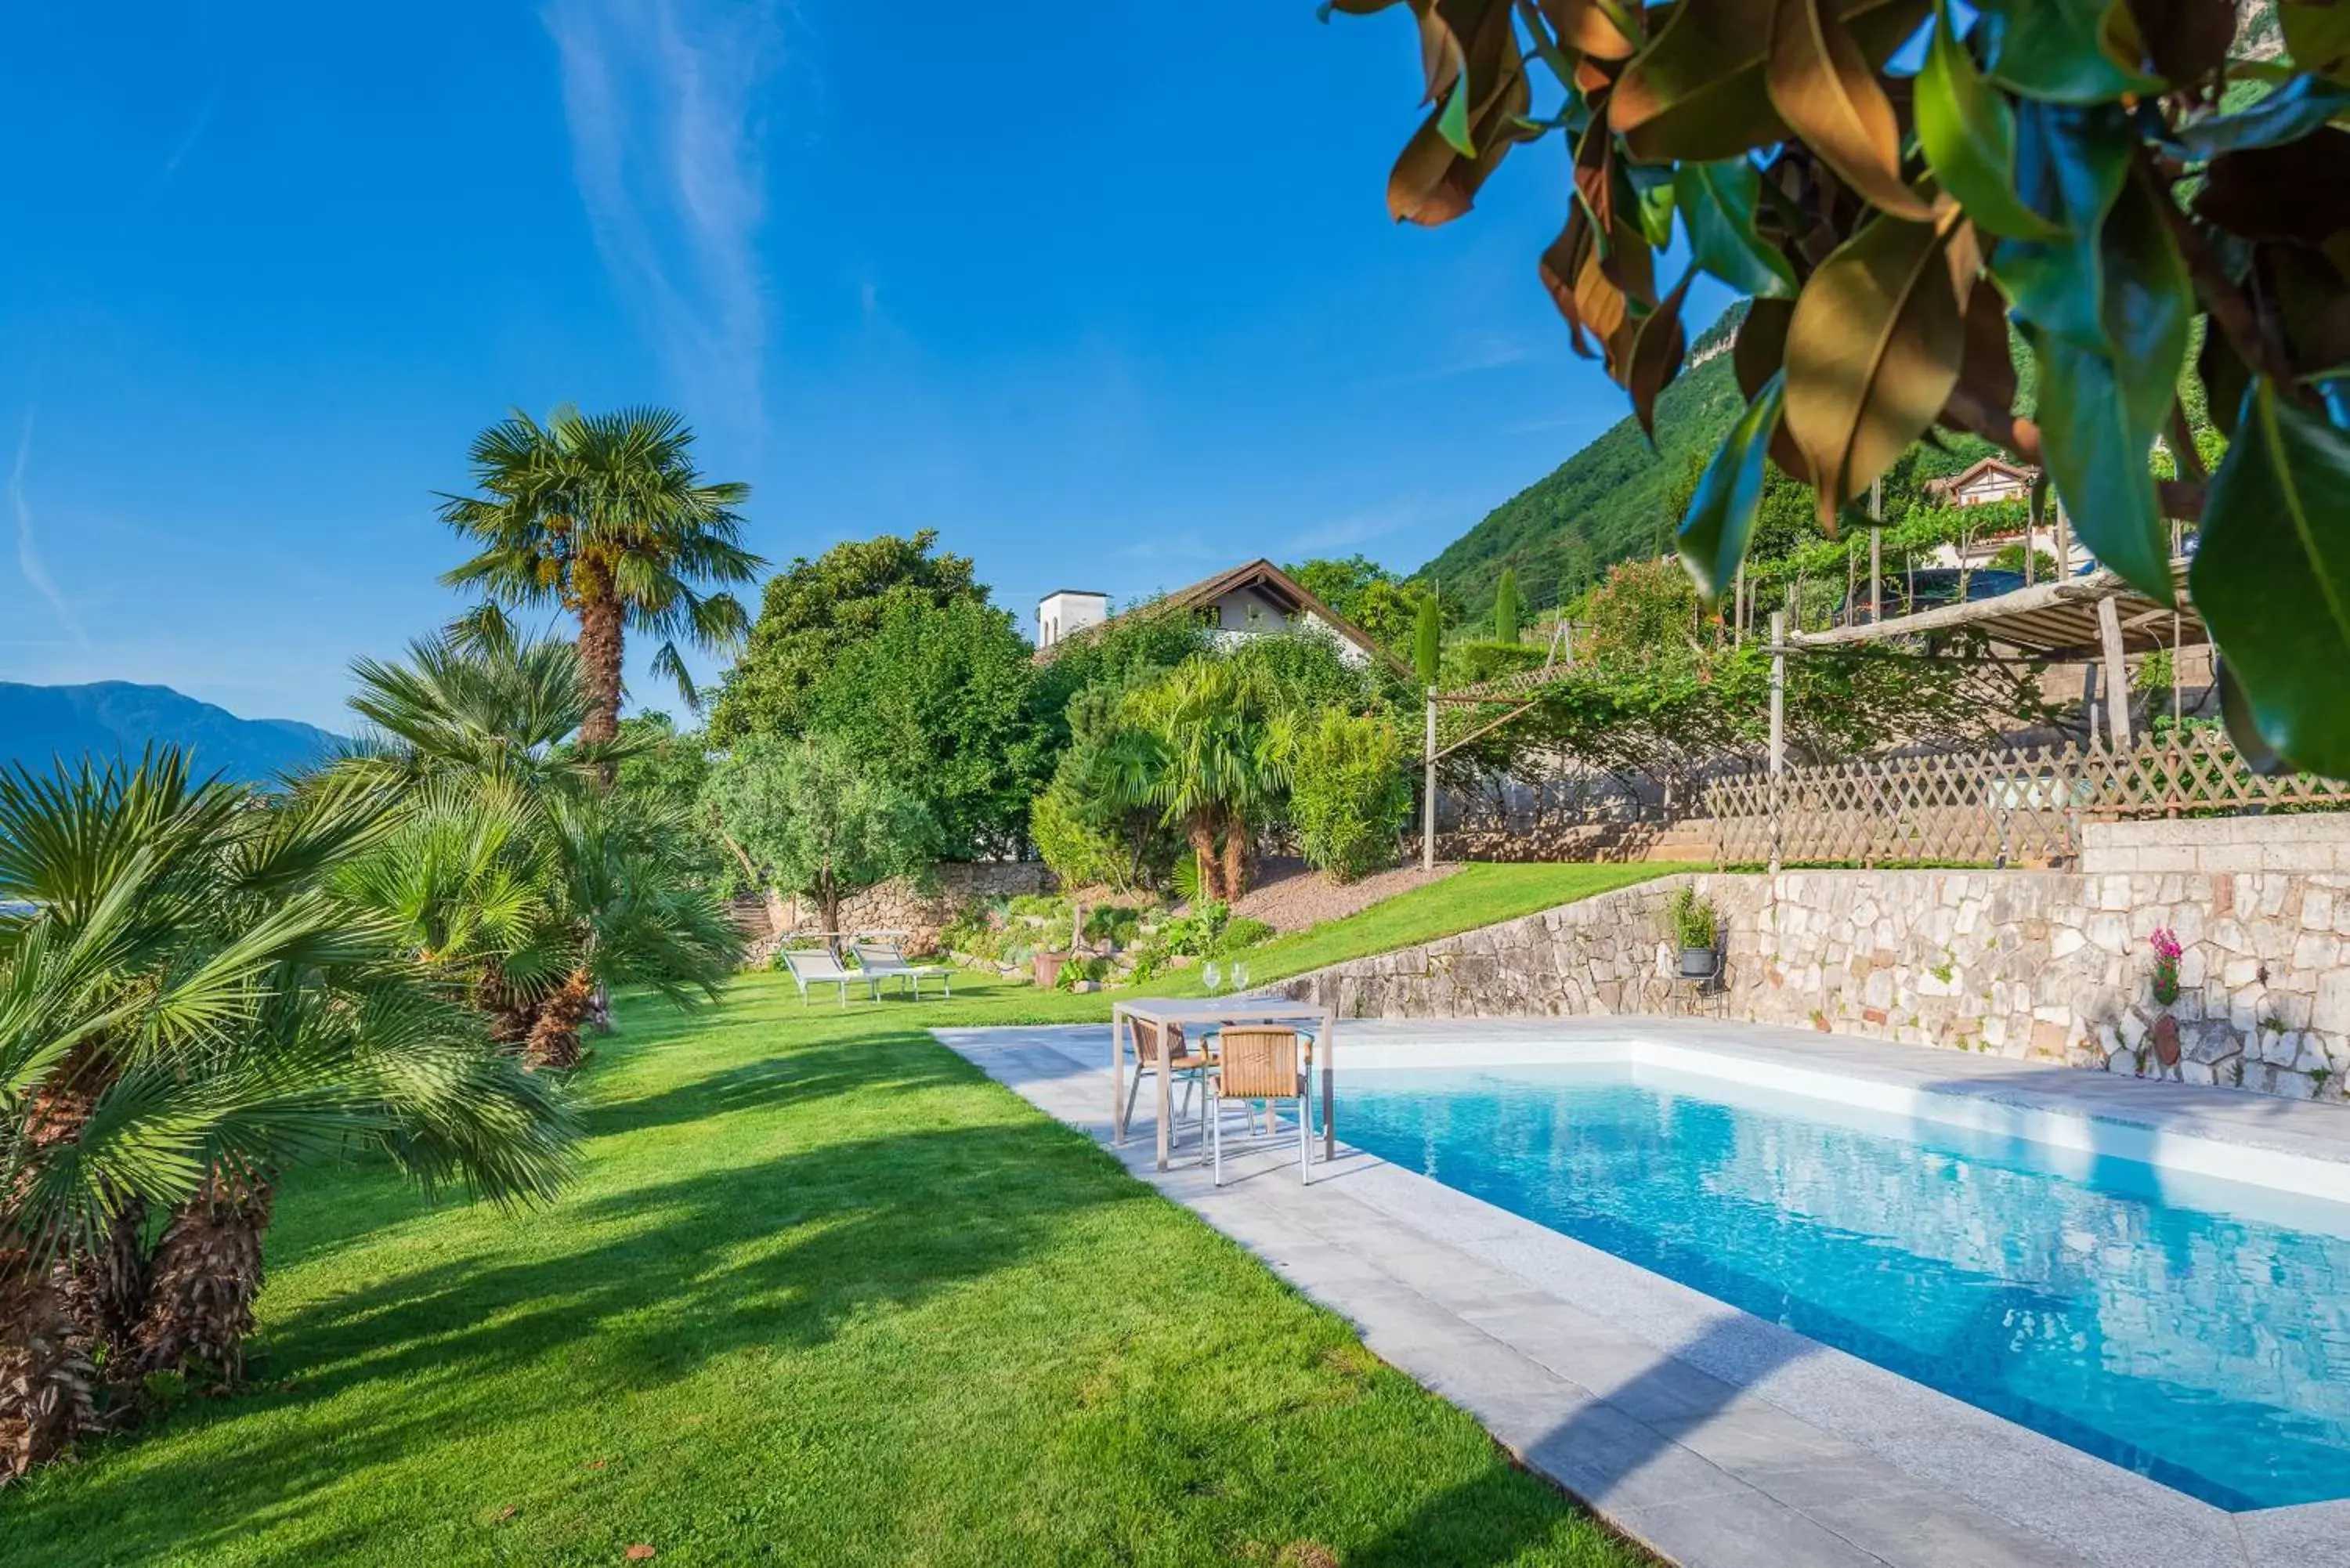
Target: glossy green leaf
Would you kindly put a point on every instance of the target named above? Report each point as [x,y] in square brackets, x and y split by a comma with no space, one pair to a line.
[2100,461]
[2288,114]
[2070,165]
[1717,201]
[1968,131]
[2066,51]
[2271,577]
[1714,532]
[2149,310]
[1656,204]
[1453,123]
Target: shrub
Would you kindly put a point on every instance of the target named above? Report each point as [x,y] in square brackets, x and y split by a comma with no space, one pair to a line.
[1112,922]
[1080,854]
[1691,920]
[1196,934]
[1044,904]
[1348,793]
[1242,933]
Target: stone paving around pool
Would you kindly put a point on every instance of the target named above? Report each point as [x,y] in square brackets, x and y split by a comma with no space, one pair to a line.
[1717,1439]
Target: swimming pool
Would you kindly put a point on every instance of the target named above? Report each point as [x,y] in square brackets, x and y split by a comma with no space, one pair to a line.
[2190,1328]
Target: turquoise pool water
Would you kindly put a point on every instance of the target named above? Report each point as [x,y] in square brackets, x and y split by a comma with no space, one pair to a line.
[2193,1330]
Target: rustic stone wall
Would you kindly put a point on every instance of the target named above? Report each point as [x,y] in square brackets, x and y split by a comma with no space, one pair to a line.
[900,905]
[2045,965]
[2294,841]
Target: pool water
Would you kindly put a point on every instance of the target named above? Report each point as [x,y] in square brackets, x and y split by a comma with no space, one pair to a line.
[2194,1329]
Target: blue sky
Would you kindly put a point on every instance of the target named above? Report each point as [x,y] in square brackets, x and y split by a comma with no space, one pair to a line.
[1106,294]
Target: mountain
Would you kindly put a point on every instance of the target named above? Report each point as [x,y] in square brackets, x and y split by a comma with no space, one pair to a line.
[1606,503]
[113,718]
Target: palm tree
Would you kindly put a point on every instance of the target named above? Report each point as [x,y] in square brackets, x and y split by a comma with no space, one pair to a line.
[1210,756]
[606,516]
[189,1012]
[503,871]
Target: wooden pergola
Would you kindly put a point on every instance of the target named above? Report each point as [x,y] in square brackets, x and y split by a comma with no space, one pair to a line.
[2093,618]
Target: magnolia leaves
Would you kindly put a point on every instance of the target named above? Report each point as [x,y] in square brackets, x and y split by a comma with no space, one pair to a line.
[1717,200]
[1875,347]
[1826,91]
[1721,518]
[1700,90]
[1968,133]
[2271,577]
[1476,79]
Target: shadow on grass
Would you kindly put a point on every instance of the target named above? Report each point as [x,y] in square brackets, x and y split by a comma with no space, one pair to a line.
[771,1255]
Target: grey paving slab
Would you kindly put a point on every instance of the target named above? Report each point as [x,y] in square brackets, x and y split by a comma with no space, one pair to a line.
[1716,1437]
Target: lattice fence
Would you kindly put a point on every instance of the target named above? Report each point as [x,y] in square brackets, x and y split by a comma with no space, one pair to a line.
[1988,808]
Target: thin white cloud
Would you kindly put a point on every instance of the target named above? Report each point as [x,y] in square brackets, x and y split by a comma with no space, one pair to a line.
[187,143]
[1488,353]
[1185,546]
[29,548]
[1362,528]
[663,101]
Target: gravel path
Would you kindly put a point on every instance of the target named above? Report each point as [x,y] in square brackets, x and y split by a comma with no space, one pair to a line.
[1289,896]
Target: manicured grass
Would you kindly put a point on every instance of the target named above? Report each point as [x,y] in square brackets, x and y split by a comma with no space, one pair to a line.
[822,1294]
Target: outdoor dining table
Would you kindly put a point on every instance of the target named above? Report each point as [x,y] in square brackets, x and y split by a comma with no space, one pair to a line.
[1171,1015]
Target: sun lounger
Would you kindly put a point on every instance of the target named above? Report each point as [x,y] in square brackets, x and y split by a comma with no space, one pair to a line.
[883,961]
[817,966]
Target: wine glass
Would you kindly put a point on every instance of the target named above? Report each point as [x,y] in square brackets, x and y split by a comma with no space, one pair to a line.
[1212,976]
[1240,975]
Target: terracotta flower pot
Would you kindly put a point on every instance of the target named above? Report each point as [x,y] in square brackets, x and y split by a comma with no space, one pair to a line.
[1046,967]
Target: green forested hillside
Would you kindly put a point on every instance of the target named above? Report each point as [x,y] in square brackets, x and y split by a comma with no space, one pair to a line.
[1606,503]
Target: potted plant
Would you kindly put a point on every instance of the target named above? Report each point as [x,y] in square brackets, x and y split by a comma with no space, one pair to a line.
[2162,1040]
[1697,930]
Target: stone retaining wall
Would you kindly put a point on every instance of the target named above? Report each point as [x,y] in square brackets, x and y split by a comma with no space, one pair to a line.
[2296,841]
[901,906]
[2045,965]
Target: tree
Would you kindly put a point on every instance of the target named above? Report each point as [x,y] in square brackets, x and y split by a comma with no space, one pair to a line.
[664,769]
[190,1013]
[1366,592]
[818,821]
[606,516]
[2090,175]
[1507,611]
[503,867]
[812,612]
[1214,762]
[1428,642]
[1095,822]
[938,699]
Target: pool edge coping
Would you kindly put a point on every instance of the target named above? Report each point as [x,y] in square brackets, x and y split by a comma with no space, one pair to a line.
[2063,1497]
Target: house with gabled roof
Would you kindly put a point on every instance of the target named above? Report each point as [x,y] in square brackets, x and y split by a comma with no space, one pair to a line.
[1257,598]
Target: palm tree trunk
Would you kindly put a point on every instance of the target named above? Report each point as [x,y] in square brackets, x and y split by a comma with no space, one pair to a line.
[206,1273]
[555,1037]
[107,1290]
[1201,832]
[1236,856]
[600,650]
[45,1370]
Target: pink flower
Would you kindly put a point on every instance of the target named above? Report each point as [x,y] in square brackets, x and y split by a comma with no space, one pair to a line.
[2165,943]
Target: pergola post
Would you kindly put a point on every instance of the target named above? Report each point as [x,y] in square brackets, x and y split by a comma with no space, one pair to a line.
[1778,723]
[2109,633]
[1428,806]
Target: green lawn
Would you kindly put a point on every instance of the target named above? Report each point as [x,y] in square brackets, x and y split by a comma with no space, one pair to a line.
[822,1294]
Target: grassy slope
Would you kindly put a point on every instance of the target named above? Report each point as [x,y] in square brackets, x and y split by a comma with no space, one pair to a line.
[821,1293]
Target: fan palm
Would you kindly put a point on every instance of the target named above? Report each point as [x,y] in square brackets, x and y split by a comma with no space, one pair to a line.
[505,874]
[606,516]
[1208,751]
[189,1012]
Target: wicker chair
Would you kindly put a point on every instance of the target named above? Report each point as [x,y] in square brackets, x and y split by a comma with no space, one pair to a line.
[1259,1065]
[1186,1064]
